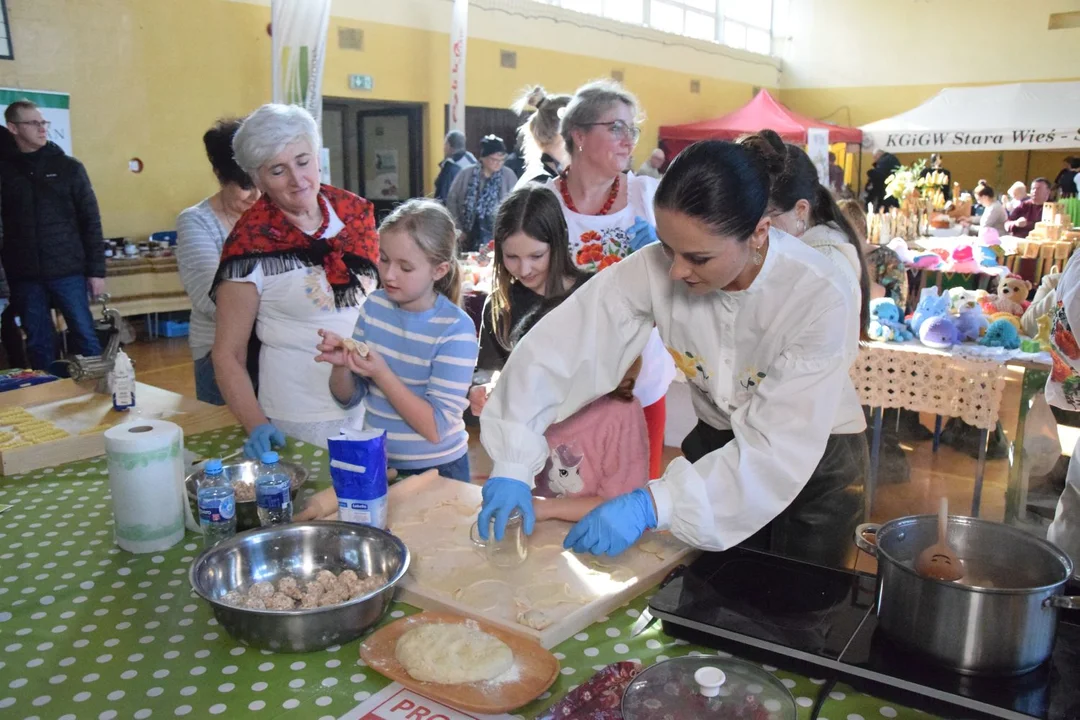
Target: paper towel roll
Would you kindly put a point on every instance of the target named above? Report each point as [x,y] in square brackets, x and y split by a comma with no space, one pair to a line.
[146,477]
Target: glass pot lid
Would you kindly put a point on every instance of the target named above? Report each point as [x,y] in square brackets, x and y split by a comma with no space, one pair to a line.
[708,687]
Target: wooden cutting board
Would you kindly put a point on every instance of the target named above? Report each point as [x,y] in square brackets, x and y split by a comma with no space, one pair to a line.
[75,408]
[533,672]
[551,596]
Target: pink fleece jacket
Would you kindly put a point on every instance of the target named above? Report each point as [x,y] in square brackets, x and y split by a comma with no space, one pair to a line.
[601,450]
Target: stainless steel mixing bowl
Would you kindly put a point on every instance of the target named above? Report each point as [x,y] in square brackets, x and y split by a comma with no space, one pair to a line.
[301,550]
[243,472]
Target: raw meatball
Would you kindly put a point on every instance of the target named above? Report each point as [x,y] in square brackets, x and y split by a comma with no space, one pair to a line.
[348,577]
[368,585]
[326,579]
[314,589]
[233,597]
[280,601]
[332,598]
[288,586]
[309,602]
[261,590]
[254,603]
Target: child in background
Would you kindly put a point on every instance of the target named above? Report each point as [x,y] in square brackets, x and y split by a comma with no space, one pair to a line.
[598,453]
[420,346]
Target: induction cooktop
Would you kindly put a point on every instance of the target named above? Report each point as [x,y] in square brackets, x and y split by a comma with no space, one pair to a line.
[821,621]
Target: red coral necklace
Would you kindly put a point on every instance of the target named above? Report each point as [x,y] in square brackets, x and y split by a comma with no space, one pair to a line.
[564,190]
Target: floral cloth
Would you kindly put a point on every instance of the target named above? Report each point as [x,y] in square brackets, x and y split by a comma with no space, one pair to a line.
[600,697]
[481,202]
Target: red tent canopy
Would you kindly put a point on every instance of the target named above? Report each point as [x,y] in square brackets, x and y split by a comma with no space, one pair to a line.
[760,113]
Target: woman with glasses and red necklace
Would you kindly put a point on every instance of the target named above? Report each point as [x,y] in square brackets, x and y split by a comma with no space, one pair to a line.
[610,214]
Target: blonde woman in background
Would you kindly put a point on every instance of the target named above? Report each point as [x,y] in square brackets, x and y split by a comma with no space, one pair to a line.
[545,150]
[609,215]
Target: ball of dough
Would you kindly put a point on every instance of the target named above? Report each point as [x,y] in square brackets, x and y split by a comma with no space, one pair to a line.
[450,654]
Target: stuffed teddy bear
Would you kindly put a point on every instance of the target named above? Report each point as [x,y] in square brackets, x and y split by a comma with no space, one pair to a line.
[1011,296]
[930,305]
[1001,333]
[886,323]
[939,332]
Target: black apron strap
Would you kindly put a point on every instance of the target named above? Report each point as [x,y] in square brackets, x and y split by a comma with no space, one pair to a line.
[819,524]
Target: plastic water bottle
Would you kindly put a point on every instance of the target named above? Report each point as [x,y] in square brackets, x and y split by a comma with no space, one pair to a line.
[217,505]
[272,488]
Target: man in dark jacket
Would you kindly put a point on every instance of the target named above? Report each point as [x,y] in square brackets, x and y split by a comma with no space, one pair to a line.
[54,253]
[456,159]
[885,164]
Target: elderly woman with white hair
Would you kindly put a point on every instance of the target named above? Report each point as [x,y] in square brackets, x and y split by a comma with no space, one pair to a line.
[301,259]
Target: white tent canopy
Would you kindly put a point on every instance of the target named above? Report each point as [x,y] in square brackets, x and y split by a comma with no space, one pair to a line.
[1021,116]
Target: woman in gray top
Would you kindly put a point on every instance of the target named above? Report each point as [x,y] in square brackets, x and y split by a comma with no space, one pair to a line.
[201,231]
[993,215]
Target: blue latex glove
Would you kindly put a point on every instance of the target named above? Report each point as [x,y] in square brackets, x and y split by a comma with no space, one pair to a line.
[4,302]
[640,234]
[613,526]
[262,439]
[501,496]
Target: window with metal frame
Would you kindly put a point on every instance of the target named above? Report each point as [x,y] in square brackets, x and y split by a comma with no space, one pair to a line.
[7,51]
[743,24]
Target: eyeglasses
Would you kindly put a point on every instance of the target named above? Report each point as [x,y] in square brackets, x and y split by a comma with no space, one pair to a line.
[39,124]
[620,130]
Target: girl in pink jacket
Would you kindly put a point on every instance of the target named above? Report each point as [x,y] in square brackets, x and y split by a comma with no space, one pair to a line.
[598,453]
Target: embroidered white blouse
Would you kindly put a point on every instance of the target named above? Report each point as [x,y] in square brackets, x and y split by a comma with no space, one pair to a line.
[770,363]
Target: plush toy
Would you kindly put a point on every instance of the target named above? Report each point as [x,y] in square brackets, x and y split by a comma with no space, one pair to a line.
[930,305]
[1007,317]
[1011,296]
[971,323]
[939,332]
[960,298]
[1003,334]
[886,323]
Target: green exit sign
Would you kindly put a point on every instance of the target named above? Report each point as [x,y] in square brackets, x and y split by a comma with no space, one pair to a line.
[361,82]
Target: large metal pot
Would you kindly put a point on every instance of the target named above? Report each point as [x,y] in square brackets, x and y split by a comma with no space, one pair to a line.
[1000,619]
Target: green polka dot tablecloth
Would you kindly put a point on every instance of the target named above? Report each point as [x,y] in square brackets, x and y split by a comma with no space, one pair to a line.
[91,631]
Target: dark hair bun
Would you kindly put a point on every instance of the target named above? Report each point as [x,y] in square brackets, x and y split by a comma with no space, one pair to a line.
[769,147]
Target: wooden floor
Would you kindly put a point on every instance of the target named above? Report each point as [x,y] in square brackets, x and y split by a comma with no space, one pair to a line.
[167,363]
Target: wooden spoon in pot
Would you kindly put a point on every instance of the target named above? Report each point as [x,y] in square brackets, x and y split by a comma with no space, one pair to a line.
[939,561]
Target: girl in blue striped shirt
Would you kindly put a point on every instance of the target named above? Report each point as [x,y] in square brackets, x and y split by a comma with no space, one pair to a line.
[419,348]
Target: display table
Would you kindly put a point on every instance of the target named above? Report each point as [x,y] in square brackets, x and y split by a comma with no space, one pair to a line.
[90,631]
[966,382]
[145,286]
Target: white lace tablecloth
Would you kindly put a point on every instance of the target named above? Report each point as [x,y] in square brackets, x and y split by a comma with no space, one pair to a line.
[965,382]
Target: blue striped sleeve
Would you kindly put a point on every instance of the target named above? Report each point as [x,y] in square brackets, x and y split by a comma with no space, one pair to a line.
[360,383]
[451,373]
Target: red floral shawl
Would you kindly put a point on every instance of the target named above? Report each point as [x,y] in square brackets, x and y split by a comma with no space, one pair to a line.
[264,237]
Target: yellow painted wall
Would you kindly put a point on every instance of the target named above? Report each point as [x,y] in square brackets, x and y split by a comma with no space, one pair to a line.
[147,77]
[861,105]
